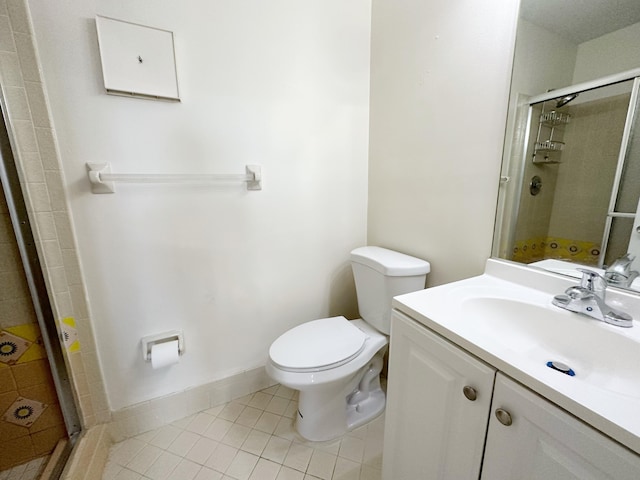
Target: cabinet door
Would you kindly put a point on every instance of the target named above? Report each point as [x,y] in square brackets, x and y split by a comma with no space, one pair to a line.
[545,442]
[432,430]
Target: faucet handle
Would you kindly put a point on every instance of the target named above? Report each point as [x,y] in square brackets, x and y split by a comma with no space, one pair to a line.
[593,281]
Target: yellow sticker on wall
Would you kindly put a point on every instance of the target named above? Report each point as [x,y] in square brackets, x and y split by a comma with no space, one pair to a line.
[69,334]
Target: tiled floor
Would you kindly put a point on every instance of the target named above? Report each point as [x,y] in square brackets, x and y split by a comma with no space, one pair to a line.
[251,438]
[27,471]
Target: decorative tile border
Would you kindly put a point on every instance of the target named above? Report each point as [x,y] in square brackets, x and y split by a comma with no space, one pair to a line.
[12,347]
[541,248]
[24,412]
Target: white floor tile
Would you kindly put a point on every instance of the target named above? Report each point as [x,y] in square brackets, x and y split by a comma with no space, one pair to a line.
[186,470]
[249,416]
[276,449]
[236,435]
[255,442]
[231,411]
[165,436]
[352,448]
[298,457]
[277,405]
[242,466]
[260,400]
[346,470]
[208,474]
[200,423]
[267,422]
[322,464]
[163,466]
[287,473]
[183,443]
[221,457]
[202,450]
[252,438]
[144,459]
[218,429]
[265,470]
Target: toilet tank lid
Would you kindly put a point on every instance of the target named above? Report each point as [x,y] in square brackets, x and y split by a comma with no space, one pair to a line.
[389,262]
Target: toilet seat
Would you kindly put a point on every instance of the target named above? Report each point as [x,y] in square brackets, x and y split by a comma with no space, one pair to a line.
[318,345]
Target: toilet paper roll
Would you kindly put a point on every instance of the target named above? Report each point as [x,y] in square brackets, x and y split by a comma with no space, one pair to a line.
[164,354]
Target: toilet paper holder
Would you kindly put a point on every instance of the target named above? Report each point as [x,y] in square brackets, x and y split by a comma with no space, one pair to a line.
[170,336]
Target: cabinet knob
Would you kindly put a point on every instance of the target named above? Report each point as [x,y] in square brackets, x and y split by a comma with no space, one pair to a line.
[470,393]
[504,417]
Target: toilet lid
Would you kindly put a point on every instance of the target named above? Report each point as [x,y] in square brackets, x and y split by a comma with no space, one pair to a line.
[318,345]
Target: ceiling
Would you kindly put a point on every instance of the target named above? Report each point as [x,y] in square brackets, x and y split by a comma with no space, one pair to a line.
[581,20]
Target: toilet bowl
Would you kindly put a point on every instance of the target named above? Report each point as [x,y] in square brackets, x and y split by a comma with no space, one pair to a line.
[335,363]
[337,374]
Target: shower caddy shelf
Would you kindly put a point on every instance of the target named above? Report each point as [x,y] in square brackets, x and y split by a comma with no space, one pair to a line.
[549,148]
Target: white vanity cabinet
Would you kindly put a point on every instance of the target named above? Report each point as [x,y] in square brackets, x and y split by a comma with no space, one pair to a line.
[434,432]
[542,441]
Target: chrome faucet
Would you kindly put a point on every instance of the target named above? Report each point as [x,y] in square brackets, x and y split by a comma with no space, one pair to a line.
[619,273]
[588,299]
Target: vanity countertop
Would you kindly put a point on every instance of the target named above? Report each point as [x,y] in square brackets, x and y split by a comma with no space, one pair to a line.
[505,318]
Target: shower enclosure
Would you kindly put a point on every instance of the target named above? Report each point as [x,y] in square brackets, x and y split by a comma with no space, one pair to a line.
[571,189]
[37,410]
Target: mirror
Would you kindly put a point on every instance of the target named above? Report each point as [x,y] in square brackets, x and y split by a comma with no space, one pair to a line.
[570,181]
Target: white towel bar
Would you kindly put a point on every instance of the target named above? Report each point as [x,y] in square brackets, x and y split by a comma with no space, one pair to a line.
[102,180]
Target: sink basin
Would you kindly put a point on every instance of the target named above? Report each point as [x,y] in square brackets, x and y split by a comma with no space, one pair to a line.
[543,333]
[505,318]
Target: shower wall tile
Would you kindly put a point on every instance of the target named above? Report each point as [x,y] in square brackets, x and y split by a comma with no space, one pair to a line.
[7,383]
[51,417]
[10,431]
[64,306]
[28,59]
[10,73]
[38,162]
[79,301]
[38,105]
[16,312]
[45,441]
[53,253]
[48,149]
[71,266]
[25,135]
[19,17]
[46,225]
[7,43]
[16,452]
[17,98]
[39,197]
[64,230]
[31,373]
[33,170]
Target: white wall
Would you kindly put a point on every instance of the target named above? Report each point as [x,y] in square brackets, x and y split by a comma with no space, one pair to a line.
[440,74]
[543,60]
[612,53]
[284,84]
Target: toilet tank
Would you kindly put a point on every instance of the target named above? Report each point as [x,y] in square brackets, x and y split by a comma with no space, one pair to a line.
[380,275]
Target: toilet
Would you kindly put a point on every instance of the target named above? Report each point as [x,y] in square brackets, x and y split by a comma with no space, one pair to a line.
[335,363]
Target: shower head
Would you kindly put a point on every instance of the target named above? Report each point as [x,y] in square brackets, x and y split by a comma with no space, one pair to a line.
[562,101]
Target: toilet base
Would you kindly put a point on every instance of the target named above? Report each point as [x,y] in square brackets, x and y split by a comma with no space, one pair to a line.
[327,413]
[368,400]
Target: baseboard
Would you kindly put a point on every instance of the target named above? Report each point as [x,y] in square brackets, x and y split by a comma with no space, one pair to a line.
[152,414]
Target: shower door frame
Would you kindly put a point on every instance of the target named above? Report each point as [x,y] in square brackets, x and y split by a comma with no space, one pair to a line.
[634,75]
[10,180]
